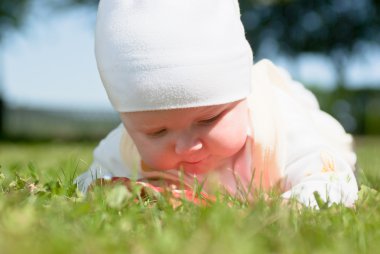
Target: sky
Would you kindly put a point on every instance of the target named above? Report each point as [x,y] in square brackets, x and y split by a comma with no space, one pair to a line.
[50,63]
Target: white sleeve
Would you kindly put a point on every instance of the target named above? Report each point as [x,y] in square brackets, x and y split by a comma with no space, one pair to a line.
[107,161]
[319,154]
[321,171]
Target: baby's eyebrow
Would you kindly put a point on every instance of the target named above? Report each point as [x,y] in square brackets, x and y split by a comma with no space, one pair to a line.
[216,112]
[209,116]
[150,128]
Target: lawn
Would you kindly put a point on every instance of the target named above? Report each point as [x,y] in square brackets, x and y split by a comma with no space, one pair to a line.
[41,212]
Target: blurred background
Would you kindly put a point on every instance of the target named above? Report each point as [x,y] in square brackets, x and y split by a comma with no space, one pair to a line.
[50,88]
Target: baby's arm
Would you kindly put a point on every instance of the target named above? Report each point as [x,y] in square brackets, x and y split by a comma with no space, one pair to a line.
[319,152]
[322,171]
[107,161]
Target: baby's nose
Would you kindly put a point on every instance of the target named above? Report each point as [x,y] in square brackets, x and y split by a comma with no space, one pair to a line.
[186,146]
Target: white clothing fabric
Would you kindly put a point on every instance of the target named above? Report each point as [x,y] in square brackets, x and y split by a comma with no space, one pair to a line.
[167,54]
[315,151]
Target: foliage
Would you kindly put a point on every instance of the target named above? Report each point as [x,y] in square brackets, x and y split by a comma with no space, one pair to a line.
[324,26]
[40,212]
[335,28]
[358,110]
[12,14]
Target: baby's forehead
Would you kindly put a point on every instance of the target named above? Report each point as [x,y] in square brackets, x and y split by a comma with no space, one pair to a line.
[183,112]
[151,117]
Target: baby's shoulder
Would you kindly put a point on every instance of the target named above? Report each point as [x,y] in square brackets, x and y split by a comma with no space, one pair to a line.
[109,153]
[111,142]
[278,79]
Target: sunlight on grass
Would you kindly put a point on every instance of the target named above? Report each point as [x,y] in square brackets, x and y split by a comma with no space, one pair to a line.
[368,151]
[41,212]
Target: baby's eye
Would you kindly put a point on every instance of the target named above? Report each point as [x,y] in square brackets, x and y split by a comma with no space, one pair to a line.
[158,133]
[210,120]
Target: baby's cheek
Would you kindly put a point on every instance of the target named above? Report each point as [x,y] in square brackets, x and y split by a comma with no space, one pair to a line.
[158,159]
[155,154]
[234,130]
[229,139]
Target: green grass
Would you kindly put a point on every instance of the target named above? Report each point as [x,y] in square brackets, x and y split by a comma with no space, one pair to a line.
[40,212]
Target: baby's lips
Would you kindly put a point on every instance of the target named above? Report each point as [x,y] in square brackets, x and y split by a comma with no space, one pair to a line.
[196,160]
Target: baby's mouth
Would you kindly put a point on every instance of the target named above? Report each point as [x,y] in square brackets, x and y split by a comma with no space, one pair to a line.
[195,166]
[194,162]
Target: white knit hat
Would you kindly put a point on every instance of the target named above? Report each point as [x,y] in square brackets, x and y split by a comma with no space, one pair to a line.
[166,54]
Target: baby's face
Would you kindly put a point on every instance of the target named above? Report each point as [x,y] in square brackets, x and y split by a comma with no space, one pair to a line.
[195,139]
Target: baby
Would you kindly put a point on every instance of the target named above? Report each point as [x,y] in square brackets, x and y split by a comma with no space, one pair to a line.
[194,107]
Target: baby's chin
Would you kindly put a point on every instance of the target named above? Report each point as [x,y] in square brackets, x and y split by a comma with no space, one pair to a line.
[196,171]
[196,168]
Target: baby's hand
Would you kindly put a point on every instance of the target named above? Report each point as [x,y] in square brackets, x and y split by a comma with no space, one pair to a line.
[174,195]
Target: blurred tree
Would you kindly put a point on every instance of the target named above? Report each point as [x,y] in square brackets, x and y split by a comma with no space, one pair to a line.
[12,15]
[67,4]
[336,28]
[2,109]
